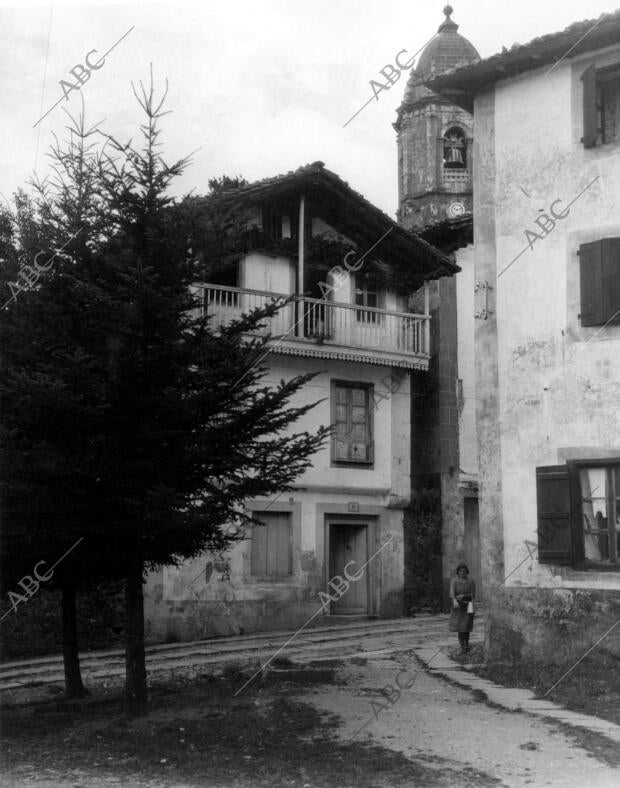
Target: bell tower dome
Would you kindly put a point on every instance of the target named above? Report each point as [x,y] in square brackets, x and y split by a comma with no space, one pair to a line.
[434,137]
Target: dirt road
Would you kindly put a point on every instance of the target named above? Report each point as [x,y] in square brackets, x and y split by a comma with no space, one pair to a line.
[435,722]
[346,707]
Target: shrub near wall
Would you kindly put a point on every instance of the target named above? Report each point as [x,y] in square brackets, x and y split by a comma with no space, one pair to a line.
[423,563]
[35,628]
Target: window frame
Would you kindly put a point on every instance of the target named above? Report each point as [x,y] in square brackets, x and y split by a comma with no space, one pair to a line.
[363,285]
[352,462]
[597,261]
[593,79]
[577,515]
[576,548]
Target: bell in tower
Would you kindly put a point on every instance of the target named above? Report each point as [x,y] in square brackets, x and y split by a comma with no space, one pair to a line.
[434,137]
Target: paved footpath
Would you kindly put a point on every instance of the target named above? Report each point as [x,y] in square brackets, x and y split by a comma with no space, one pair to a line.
[442,726]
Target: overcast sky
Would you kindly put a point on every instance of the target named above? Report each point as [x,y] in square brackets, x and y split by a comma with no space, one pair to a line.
[259,88]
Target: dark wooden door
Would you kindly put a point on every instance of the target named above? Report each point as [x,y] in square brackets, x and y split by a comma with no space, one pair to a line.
[472,544]
[349,542]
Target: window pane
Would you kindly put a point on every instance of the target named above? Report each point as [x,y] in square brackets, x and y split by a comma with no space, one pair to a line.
[352,424]
[359,451]
[358,397]
[594,508]
[358,415]
[341,449]
[341,395]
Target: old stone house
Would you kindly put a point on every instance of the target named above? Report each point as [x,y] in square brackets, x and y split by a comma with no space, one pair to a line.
[547,257]
[353,271]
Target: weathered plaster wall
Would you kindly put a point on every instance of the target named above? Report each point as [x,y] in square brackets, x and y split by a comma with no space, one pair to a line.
[548,390]
[486,339]
[551,626]
[435,440]
[466,396]
[560,383]
[189,602]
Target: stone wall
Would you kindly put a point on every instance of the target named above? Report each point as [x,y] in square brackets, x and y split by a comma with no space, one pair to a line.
[435,433]
[554,626]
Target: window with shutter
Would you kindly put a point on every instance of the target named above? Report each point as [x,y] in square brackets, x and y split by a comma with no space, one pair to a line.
[352,420]
[590,111]
[579,514]
[590,274]
[272,554]
[611,279]
[599,513]
[608,104]
[554,515]
[599,268]
[601,106]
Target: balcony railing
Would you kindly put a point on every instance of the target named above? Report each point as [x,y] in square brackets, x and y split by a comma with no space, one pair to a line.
[456,176]
[324,322]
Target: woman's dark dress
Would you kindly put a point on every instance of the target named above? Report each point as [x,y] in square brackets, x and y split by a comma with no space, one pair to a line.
[460,619]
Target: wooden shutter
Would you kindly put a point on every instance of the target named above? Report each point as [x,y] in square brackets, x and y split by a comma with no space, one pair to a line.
[279,559]
[554,515]
[590,115]
[259,548]
[591,276]
[271,545]
[610,289]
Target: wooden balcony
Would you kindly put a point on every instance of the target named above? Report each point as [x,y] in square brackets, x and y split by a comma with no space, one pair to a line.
[328,329]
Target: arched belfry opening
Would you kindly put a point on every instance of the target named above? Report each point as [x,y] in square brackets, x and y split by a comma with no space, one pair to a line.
[434,137]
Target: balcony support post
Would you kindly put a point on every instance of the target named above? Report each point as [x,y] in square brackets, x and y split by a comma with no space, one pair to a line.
[300,265]
[427,322]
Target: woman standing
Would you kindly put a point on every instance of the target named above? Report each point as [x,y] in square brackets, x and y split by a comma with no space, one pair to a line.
[462,593]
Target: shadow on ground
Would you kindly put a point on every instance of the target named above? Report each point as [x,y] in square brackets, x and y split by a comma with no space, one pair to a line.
[199,733]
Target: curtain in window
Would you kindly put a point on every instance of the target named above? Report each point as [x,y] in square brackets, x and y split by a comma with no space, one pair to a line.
[594,508]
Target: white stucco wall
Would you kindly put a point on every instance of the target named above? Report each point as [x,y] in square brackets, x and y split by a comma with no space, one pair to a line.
[465,283]
[179,608]
[559,383]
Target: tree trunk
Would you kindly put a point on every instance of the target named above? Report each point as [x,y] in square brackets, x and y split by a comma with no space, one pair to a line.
[71,658]
[135,667]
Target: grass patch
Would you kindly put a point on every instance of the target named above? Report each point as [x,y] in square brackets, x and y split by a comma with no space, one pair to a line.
[593,687]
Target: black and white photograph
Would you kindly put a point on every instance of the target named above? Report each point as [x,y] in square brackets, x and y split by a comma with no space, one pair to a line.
[310,394]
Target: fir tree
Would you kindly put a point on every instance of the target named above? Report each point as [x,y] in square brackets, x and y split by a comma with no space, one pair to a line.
[173,426]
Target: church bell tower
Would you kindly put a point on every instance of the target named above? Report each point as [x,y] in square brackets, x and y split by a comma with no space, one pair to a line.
[434,137]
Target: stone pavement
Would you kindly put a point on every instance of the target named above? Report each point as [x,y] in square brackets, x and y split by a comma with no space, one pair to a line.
[339,639]
[511,698]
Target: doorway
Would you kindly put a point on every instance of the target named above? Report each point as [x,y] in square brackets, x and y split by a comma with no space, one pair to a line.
[472,543]
[348,541]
